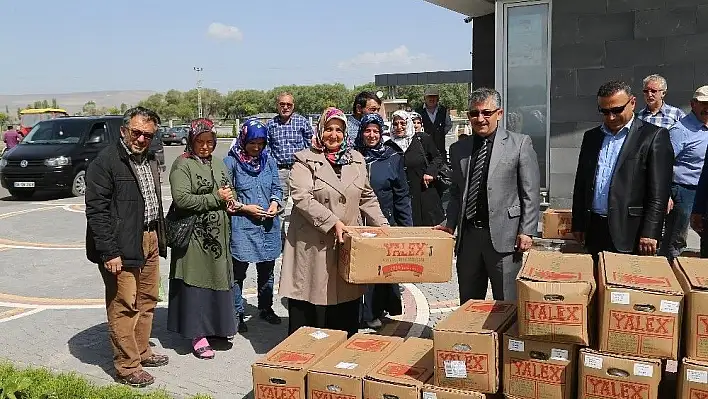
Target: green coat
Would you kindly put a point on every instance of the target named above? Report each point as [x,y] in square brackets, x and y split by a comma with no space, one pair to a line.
[207,261]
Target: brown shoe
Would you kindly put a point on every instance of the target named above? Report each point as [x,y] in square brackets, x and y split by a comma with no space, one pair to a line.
[156,361]
[139,379]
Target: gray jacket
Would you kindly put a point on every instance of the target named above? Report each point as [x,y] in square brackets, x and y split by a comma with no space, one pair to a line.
[513,188]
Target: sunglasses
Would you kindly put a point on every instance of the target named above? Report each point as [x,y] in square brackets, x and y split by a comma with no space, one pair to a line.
[613,110]
[284,105]
[485,112]
[135,133]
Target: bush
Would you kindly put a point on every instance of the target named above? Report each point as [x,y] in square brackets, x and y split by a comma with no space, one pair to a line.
[37,383]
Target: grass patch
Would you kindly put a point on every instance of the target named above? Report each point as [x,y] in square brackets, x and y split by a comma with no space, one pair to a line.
[38,383]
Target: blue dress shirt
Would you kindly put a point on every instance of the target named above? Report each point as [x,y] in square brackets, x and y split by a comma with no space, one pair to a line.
[689,137]
[606,161]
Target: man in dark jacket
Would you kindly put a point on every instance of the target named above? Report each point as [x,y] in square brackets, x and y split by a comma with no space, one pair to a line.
[436,119]
[623,179]
[125,236]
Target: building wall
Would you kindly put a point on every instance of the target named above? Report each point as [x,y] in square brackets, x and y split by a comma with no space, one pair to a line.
[594,41]
[483,51]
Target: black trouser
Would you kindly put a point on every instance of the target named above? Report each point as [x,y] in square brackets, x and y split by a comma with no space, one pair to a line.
[704,243]
[342,316]
[597,236]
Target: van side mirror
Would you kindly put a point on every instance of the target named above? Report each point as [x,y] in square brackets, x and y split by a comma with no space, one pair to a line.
[95,139]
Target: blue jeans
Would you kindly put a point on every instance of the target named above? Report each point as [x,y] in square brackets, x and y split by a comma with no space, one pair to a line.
[677,221]
[265,284]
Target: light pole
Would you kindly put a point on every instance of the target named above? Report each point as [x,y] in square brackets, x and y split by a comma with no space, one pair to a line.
[198,70]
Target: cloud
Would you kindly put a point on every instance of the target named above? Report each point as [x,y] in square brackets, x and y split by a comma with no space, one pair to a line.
[400,56]
[220,31]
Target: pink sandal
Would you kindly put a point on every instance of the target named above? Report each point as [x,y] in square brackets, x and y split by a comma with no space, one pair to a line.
[202,349]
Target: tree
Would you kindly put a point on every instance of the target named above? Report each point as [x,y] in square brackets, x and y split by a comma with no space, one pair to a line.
[123,108]
[54,103]
[3,119]
[90,108]
[113,111]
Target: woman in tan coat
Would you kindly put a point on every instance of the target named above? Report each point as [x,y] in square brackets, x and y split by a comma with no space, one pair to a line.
[330,189]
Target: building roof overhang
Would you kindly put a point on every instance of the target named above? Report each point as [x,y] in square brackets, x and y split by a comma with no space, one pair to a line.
[470,8]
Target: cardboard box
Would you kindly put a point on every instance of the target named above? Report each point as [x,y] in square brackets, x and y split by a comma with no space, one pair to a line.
[538,369]
[372,255]
[602,375]
[340,375]
[467,345]
[281,372]
[692,273]
[555,292]
[557,224]
[640,303]
[402,374]
[435,392]
[693,379]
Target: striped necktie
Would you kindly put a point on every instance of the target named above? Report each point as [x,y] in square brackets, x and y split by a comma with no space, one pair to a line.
[476,182]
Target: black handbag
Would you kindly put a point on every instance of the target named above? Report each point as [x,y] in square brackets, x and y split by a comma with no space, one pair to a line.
[179,226]
[443,180]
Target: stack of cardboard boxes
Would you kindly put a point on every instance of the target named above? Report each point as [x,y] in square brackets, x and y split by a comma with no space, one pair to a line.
[576,330]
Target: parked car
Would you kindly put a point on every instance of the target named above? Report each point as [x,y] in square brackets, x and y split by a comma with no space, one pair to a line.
[56,152]
[175,135]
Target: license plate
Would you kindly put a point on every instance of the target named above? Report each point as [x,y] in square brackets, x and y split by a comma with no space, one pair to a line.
[24,184]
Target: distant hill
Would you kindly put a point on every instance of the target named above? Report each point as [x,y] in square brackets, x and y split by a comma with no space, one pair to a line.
[74,102]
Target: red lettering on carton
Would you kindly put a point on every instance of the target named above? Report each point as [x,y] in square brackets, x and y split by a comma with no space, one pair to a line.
[697,394]
[537,371]
[291,357]
[408,249]
[402,267]
[475,362]
[478,307]
[597,387]
[566,314]
[277,392]
[330,395]
[398,370]
[642,324]
[641,280]
[368,345]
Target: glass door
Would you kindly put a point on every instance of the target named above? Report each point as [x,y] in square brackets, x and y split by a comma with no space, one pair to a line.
[523,71]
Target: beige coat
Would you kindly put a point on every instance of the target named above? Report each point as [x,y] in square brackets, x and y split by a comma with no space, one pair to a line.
[309,272]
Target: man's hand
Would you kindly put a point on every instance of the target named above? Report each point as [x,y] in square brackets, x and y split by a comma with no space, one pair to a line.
[523,243]
[579,237]
[427,179]
[647,246]
[670,206]
[114,265]
[697,222]
[444,228]
[339,231]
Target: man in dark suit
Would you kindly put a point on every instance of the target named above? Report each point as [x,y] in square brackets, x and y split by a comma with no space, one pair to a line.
[623,178]
[494,201]
[436,119]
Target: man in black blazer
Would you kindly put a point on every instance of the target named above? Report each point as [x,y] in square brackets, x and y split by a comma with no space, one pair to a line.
[623,178]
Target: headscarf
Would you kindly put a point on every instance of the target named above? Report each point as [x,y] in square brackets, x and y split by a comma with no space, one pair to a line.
[197,127]
[251,129]
[404,140]
[379,151]
[342,155]
[414,115]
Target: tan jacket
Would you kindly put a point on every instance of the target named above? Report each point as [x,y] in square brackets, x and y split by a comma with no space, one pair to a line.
[309,272]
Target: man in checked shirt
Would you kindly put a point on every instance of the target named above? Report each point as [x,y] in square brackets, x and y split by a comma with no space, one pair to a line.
[125,237]
[288,133]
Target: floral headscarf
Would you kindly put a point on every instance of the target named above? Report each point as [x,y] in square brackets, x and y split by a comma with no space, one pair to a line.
[380,150]
[198,127]
[403,140]
[342,155]
[251,129]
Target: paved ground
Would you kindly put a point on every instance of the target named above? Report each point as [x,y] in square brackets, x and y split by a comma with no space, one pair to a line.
[51,306]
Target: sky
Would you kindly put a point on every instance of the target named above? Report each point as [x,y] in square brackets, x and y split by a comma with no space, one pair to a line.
[88,45]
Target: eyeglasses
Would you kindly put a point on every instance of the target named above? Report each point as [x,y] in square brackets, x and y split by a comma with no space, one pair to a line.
[485,112]
[613,110]
[286,105]
[135,133]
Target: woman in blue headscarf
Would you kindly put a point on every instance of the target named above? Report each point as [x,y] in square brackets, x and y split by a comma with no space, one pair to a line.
[255,227]
[387,177]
